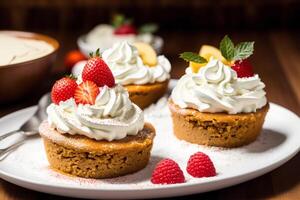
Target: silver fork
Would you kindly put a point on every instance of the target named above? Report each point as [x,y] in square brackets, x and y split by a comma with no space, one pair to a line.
[29,128]
[4,151]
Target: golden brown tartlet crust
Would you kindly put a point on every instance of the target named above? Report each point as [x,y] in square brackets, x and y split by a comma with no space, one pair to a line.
[84,157]
[217,129]
[145,95]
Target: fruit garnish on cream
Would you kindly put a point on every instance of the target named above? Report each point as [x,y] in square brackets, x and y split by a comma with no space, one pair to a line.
[121,29]
[147,53]
[96,107]
[218,87]
[16,50]
[206,51]
[132,64]
[228,53]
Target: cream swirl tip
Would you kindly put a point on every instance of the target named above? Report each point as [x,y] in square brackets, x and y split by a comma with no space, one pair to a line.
[128,68]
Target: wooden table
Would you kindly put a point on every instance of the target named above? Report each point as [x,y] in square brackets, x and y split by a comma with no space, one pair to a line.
[276,60]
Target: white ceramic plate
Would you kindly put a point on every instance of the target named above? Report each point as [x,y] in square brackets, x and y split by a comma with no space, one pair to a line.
[279,141]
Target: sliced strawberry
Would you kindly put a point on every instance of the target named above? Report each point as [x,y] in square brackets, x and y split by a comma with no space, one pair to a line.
[63,89]
[96,70]
[243,68]
[86,93]
[125,29]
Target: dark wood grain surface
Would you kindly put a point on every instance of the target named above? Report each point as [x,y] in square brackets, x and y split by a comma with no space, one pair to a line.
[276,60]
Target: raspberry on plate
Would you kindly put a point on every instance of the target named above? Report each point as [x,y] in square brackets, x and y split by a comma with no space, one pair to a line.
[200,165]
[63,89]
[167,171]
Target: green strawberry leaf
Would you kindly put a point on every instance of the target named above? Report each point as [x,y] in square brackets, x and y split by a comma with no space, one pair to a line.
[227,48]
[96,54]
[190,56]
[243,50]
[71,76]
[148,28]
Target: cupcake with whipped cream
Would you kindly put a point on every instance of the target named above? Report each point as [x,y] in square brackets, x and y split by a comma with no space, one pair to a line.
[137,67]
[93,129]
[104,36]
[219,101]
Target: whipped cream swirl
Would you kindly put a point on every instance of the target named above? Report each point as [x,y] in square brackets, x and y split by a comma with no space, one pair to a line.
[128,68]
[103,36]
[216,88]
[112,117]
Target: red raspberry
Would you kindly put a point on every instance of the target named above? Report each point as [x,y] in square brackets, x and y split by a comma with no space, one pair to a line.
[200,165]
[167,171]
[243,68]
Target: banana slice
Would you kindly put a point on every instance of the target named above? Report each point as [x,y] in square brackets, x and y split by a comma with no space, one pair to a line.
[147,53]
[208,51]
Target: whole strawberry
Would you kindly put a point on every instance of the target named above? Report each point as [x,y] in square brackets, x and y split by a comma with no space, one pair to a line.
[200,165]
[243,68]
[96,70]
[63,89]
[167,171]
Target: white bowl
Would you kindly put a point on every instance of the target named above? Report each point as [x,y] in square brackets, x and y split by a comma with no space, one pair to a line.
[87,48]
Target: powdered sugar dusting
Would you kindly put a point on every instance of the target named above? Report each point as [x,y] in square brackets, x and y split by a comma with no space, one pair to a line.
[59,138]
[33,165]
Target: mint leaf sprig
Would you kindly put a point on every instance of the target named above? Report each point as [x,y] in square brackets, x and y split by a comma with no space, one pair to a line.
[193,57]
[239,52]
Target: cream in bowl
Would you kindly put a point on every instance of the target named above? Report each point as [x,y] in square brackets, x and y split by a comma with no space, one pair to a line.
[25,62]
[15,50]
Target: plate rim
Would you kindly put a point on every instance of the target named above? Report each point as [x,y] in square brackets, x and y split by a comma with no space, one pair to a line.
[30,184]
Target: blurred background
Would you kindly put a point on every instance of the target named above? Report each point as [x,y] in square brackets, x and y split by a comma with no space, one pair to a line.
[183,24]
[178,15]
